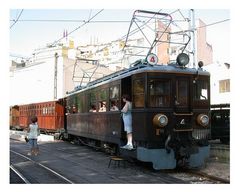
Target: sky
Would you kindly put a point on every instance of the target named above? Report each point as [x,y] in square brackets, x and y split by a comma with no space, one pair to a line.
[23,37]
[48,25]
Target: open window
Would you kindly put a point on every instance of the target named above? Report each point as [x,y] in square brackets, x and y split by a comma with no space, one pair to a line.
[201,90]
[114,94]
[102,104]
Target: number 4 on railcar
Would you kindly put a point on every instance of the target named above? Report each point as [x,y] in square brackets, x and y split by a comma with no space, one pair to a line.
[171,105]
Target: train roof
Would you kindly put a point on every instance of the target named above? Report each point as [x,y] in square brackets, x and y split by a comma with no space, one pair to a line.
[140,68]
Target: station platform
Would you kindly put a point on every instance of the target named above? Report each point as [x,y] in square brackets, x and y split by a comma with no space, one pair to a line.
[20,135]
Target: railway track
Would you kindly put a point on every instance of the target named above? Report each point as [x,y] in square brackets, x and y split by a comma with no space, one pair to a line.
[211,178]
[220,152]
[197,177]
[21,164]
[16,176]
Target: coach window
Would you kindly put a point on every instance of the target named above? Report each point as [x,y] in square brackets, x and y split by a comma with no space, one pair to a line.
[41,110]
[51,109]
[201,90]
[159,93]
[47,109]
[36,109]
[138,92]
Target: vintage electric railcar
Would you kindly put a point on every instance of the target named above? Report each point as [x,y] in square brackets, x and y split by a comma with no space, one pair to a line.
[171,105]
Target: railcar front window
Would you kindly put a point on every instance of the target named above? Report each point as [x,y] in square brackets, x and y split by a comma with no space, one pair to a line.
[201,90]
[159,93]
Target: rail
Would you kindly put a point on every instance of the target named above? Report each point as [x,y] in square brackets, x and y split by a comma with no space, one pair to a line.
[43,166]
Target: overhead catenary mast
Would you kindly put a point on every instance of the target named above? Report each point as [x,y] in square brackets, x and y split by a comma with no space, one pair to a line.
[192,34]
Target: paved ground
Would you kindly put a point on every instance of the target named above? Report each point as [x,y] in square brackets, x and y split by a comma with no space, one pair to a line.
[91,166]
[82,164]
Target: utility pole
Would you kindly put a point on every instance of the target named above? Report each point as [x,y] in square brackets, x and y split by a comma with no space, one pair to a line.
[55,76]
[192,28]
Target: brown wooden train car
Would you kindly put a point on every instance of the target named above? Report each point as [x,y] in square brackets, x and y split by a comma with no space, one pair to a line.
[50,115]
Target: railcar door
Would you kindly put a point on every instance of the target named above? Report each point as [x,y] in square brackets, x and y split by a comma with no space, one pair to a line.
[182,95]
[182,115]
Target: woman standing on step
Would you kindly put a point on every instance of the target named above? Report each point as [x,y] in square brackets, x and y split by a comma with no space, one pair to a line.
[127,120]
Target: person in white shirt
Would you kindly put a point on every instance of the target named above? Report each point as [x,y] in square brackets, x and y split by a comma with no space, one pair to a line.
[102,107]
[33,133]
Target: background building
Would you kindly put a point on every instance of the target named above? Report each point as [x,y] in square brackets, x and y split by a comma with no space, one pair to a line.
[52,71]
[204,49]
[220,82]
[48,75]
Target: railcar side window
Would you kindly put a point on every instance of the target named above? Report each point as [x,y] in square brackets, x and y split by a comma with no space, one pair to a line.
[114,97]
[71,104]
[158,93]
[80,103]
[114,92]
[201,90]
[93,101]
[138,92]
[102,104]
[103,94]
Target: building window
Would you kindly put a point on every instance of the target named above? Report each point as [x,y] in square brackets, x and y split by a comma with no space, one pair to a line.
[224,86]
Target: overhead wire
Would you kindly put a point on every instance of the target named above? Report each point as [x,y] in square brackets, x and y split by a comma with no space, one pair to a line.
[15,21]
[214,23]
[86,22]
[71,20]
